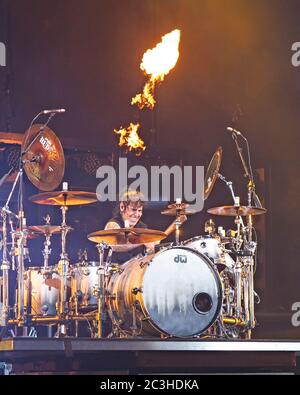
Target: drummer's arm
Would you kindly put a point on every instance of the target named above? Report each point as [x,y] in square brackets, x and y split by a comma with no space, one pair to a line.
[111,225]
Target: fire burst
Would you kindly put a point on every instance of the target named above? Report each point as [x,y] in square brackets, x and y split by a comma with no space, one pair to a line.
[156,64]
[130,138]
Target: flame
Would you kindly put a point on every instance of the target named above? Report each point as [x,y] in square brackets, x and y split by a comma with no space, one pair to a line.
[130,138]
[157,63]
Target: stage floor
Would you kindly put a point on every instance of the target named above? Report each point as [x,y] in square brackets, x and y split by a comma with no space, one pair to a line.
[144,356]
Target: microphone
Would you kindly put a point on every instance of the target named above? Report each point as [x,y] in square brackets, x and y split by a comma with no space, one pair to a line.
[234,131]
[55,111]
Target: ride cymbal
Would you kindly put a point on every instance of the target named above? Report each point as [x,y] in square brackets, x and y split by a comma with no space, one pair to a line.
[233,211]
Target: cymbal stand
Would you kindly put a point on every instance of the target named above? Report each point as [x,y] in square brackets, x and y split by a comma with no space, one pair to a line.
[249,246]
[63,264]
[229,185]
[100,291]
[177,221]
[5,269]
[47,250]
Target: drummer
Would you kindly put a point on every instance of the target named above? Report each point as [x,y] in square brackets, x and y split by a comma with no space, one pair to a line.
[128,214]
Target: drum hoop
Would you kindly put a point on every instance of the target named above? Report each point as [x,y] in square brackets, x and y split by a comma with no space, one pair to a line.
[219,286]
[205,237]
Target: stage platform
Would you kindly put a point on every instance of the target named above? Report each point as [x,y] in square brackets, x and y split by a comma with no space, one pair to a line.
[147,356]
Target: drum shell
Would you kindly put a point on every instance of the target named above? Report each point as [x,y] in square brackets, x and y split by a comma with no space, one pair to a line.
[84,280]
[41,291]
[212,248]
[127,289]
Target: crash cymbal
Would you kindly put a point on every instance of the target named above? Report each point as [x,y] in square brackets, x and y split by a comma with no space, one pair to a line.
[212,172]
[45,229]
[173,212]
[44,160]
[64,198]
[125,236]
[233,211]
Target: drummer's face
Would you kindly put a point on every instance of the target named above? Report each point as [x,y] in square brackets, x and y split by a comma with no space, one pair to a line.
[131,214]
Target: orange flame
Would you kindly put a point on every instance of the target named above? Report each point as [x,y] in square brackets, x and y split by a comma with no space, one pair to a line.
[130,138]
[157,63]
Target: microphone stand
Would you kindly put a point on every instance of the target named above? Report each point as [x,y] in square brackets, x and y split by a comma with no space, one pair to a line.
[250,245]
[39,131]
[248,174]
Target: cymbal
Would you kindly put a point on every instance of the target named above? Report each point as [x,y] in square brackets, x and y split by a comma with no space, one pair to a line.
[233,211]
[125,236]
[173,212]
[30,234]
[45,229]
[212,172]
[64,198]
[44,157]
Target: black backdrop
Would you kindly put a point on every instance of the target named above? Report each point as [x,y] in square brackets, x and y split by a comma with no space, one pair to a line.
[235,58]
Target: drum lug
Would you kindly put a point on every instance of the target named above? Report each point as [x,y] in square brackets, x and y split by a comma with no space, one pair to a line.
[135,291]
[143,264]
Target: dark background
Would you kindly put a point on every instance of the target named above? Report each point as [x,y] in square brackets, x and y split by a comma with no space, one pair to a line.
[234,64]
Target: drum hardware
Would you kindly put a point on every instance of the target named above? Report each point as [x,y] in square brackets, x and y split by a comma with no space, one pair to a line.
[64,199]
[43,157]
[236,211]
[210,227]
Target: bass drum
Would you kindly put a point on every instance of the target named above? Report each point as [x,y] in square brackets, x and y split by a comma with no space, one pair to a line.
[176,292]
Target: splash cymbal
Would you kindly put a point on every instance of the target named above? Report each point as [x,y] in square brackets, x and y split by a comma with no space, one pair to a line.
[127,236]
[64,198]
[233,211]
[44,161]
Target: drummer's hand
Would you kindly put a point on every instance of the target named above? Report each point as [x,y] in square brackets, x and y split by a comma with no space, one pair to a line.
[150,247]
[112,225]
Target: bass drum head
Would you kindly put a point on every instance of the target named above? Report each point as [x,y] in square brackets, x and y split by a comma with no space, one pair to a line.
[182,292]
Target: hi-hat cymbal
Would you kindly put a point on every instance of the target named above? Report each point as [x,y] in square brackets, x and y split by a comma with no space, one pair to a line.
[127,236]
[173,212]
[176,209]
[64,198]
[233,211]
[44,160]
[212,172]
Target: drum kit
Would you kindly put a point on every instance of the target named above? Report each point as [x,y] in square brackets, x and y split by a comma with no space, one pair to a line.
[197,288]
